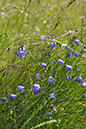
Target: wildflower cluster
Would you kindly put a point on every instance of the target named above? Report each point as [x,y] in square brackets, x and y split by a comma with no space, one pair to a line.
[51,79]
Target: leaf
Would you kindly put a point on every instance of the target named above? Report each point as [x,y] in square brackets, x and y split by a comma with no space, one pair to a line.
[44,123]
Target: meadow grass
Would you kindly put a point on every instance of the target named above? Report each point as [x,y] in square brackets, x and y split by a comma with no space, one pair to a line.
[22,23]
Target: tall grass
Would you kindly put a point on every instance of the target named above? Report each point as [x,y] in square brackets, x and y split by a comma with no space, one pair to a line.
[25,21]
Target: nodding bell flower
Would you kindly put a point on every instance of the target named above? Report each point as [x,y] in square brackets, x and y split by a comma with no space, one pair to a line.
[83,85]
[43,65]
[14,66]
[76,54]
[20,88]
[53,45]
[49,113]
[68,67]
[69,78]
[21,53]
[76,41]
[42,37]
[36,88]
[12,96]
[79,79]
[61,61]
[4,73]
[52,95]
[4,99]
[69,55]
[51,79]
[3,13]
[55,35]
[53,62]
[37,75]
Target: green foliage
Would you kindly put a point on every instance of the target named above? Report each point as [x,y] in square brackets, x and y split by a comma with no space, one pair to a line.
[25,21]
